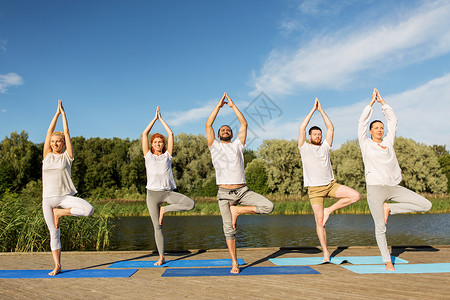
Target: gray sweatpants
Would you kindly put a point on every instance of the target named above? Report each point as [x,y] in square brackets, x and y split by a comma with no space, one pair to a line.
[243,196]
[408,201]
[176,201]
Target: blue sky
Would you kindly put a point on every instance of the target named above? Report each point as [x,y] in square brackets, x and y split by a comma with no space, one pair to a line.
[112,62]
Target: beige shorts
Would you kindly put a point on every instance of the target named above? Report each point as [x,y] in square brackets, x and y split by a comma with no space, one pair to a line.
[317,193]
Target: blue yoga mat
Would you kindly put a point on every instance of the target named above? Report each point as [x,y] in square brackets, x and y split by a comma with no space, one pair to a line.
[244,271]
[89,273]
[401,269]
[175,263]
[356,260]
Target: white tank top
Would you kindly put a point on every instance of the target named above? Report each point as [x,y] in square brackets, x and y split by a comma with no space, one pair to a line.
[56,171]
[228,161]
[159,172]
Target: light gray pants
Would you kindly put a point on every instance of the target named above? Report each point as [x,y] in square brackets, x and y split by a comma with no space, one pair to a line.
[176,201]
[408,201]
[243,196]
[79,207]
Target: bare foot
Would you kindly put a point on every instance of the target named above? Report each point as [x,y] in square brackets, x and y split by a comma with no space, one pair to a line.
[387,210]
[56,217]
[326,256]
[326,215]
[160,261]
[161,215]
[234,214]
[235,269]
[56,271]
[390,266]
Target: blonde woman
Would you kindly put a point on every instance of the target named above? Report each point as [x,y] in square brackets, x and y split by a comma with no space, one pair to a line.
[58,188]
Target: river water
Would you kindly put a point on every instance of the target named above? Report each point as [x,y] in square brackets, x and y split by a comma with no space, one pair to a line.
[205,232]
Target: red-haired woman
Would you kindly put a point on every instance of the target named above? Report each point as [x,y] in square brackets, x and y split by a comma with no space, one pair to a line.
[160,181]
[58,189]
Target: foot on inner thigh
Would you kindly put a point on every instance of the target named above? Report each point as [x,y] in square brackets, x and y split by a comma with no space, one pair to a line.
[390,266]
[326,215]
[160,261]
[386,210]
[326,256]
[56,217]
[234,214]
[235,268]
[55,271]
[161,215]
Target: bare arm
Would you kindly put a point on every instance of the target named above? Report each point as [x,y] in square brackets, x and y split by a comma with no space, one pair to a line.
[328,124]
[363,122]
[242,135]
[302,129]
[68,141]
[50,130]
[169,133]
[145,146]
[211,119]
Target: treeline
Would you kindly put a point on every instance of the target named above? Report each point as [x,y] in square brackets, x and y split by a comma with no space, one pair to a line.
[114,168]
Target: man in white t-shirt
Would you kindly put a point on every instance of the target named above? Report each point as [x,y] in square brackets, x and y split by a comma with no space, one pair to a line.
[318,174]
[228,161]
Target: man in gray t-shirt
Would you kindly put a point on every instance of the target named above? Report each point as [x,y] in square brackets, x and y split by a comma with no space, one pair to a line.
[318,175]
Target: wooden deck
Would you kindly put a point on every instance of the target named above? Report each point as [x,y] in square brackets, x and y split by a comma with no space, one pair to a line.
[334,282]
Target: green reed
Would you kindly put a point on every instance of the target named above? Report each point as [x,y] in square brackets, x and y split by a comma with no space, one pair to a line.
[22,227]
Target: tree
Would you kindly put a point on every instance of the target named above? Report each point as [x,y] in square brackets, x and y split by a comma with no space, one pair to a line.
[421,171]
[191,164]
[348,166]
[20,162]
[283,166]
[256,176]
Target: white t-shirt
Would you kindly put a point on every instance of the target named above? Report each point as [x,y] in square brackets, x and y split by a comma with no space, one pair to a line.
[56,170]
[381,165]
[159,172]
[316,163]
[228,161]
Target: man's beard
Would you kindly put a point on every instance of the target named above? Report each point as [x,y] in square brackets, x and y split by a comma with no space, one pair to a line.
[316,143]
[225,138]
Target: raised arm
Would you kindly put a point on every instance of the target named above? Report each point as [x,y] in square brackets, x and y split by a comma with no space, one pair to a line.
[242,135]
[391,119]
[328,124]
[169,133]
[302,129]
[68,141]
[212,117]
[145,146]
[363,122]
[50,130]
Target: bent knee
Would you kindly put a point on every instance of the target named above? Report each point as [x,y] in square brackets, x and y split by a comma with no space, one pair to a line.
[427,206]
[267,208]
[356,197]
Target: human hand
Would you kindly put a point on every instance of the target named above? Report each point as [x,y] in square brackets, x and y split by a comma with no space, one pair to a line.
[318,106]
[380,99]
[230,102]
[60,109]
[157,114]
[222,101]
[374,97]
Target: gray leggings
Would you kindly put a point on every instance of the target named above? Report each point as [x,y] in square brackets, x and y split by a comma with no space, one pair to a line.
[408,201]
[243,196]
[176,201]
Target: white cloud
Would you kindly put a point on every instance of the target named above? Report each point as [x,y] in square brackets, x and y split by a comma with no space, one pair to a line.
[3,110]
[422,116]
[8,80]
[196,114]
[333,59]
[3,45]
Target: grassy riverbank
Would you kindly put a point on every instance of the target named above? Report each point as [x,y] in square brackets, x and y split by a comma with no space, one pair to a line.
[23,228]
[284,205]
